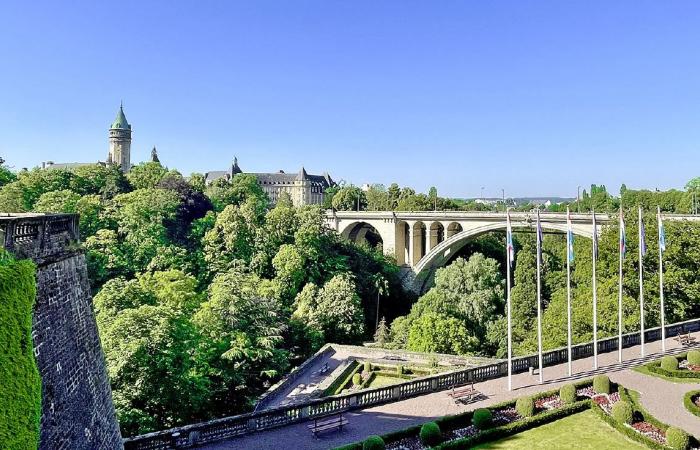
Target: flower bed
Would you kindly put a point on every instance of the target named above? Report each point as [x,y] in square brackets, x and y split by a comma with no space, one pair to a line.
[685,370]
[651,431]
[549,402]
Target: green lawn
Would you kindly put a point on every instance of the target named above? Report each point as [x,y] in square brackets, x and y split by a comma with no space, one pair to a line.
[382,380]
[580,431]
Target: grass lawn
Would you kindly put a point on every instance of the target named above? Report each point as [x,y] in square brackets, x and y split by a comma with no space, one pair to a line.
[580,431]
[381,380]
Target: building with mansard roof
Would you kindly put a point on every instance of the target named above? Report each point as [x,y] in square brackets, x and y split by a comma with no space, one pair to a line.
[302,188]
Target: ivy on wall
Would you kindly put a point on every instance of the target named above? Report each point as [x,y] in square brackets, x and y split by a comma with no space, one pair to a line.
[20,383]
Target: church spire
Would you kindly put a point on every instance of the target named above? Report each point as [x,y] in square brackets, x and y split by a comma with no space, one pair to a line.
[154,155]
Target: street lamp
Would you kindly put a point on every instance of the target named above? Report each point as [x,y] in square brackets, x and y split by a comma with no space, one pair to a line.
[578,201]
[482,194]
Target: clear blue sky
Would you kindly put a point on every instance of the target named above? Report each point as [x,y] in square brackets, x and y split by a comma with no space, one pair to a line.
[533,97]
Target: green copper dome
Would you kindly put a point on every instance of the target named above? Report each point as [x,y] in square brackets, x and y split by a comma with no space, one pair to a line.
[120,122]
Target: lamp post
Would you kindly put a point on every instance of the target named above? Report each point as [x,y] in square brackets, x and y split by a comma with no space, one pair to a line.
[578,199]
[482,194]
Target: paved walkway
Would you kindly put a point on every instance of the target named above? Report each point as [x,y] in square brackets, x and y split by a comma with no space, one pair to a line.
[662,398]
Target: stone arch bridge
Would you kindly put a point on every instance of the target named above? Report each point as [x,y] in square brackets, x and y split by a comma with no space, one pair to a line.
[422,242]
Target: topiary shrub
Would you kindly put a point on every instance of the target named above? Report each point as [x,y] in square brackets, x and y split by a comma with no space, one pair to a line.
[669,363]
[622,412]
[399,370]
[694,357]
[357,379]
[601,384]
[567,394]
[430,434]
[525,406]
[482,418]
[677,439]
[373,443]
[367,367]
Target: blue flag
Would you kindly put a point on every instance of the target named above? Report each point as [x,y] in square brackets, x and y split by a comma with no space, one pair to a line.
[643,238]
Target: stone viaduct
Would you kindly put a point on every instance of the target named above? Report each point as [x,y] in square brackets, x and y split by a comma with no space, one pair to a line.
[422,242]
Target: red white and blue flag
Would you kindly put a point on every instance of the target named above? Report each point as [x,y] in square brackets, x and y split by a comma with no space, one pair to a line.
[569,236]
[623,240]
[509,240]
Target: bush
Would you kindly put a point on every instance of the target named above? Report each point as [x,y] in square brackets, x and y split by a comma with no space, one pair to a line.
[525,406]
[669,363]
[694,357]
[567,394]
[601,384]
[430,434]
[373,443]
[482,418]
[622,412]
[676,438]
[357,379]
[367,367]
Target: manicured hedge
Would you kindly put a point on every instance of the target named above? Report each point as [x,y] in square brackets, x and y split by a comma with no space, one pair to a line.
[688,402]
[373,443]
[677,439]
[656,367]
[430,434]
[496,433]
[694,357]
[601,384]
[567,394]
[669,363]
[525,406]
[622,412]
[339,383]
[20,383]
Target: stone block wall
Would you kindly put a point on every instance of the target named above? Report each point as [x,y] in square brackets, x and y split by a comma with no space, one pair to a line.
[77,408]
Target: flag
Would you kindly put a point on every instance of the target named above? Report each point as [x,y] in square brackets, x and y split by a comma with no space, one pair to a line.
[569,236]
[662,233]
[642,237]
[540,239]
[509,240]
[595,238]
[623,240]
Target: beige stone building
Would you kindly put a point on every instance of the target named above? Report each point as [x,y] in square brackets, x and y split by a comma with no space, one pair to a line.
[302,188]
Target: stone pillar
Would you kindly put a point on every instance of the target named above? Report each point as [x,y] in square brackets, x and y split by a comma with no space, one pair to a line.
[411,242]
[416,243]
[399,242]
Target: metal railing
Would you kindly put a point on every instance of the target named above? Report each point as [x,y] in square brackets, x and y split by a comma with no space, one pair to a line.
[228,427]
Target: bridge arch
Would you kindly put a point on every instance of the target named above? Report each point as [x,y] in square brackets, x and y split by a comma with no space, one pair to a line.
[364,232]
[439,255]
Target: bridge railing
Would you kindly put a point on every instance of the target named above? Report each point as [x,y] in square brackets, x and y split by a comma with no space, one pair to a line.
[228,427]
[40,237]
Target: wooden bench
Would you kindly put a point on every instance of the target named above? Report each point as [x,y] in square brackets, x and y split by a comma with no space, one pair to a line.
[463,394]
[685,339]
[325,424]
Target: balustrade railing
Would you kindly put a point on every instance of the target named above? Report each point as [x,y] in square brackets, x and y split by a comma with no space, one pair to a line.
[228,427]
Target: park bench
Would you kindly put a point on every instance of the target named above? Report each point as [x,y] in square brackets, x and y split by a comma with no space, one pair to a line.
[325,424]
[685,339]
[463,394]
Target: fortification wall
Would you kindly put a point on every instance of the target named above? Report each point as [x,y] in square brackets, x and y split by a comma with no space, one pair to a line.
[77,408]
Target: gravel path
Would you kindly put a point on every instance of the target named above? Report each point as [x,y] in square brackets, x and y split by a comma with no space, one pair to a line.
[662,398]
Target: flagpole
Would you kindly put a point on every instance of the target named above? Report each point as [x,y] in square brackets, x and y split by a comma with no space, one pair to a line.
[539,297]
[641,281]
[619,299]
[508,259]
[595,297]
[568,289]
[661,278]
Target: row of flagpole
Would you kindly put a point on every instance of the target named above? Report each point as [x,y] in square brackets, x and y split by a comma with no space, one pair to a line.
[510,259]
